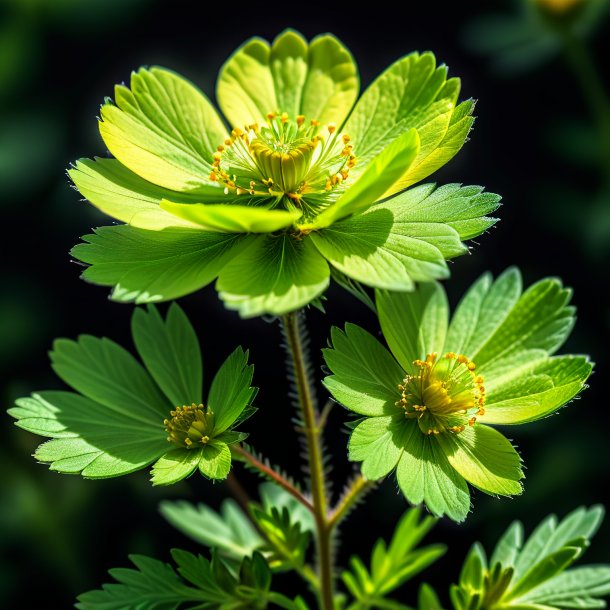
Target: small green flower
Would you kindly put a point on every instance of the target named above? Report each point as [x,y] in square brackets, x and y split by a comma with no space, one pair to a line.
[426,405]
[124,416]
[292,186]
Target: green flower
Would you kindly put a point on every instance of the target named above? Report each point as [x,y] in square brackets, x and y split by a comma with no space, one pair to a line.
[124,416]
[290,190]
[426,405]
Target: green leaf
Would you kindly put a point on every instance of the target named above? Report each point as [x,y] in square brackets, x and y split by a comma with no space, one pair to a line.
[425,476]
[103,371]
[375,442]
[232,218]
[230,531]
[215,462]
[414,323]
[364,376]
[380,173]
[273,495]
[541,390]
[485,458]
[275,275]
[90,438]
[163,129]
[319,81]
[175,465]
[508,546]
[170,350]
[120,193]
[147,266]
[230,392]
[427,598]
[154,585]
[412,93]
[375,249]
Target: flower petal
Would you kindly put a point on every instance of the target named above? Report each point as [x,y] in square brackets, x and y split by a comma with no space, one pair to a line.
[163,129]
[230,392]
[89,437]
[170,350]
[319,81]
[412,93]
[175,465]
[380,174]
[215,462]
[146,266]
[364,376]
[425,476]
[549,385]
[275,275]
[374,249]
[485,458]
[414,323]
[372,443]
[232,218]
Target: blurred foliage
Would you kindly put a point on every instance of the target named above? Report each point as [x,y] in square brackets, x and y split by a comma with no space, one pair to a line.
[537,141]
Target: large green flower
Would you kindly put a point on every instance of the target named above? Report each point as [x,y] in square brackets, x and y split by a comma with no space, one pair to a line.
[124,416]
[426,405]
[292,186]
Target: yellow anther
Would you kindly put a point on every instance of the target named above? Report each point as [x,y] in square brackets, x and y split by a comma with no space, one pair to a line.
[314,123]
[471,366]
[346,138]
[220,148]
[228,142]
[300,119]
[271,116]
[284,117]
[213,177]
[331,128]
[462,359]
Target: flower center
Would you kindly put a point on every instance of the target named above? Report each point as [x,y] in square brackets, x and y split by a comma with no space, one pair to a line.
[445,396]
[289,160]
[190,426]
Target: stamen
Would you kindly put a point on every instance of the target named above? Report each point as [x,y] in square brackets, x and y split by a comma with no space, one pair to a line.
[191,426]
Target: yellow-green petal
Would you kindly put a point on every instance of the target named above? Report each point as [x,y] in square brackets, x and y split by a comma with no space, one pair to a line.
[319,80]
[232,218]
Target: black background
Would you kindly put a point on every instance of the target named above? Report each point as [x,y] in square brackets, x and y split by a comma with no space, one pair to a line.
[60,534]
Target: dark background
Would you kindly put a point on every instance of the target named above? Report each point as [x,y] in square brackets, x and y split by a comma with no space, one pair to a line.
[535,142]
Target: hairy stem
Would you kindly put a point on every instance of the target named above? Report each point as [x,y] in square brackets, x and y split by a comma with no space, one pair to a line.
[353,494]
[311,429]
[272,474]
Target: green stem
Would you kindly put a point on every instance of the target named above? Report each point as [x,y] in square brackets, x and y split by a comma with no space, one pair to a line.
[580,60]
[358,486]
[311,429]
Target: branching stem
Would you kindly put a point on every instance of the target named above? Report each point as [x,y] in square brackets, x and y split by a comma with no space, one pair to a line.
[352,495]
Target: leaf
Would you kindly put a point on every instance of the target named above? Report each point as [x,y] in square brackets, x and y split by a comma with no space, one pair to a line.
[150,266]
[154,585]
[90,438]
[175,465]
[118,192]
[415,323]
[485,458]
[170,350]
[230,392]
[163,129]
[425,476]
[381,172]
[103,371]
[232,218]
[374,249]
[275,275]
[229,531]
[427,598]
[273,495]
[508,547]
[374,443]
[215,462]
[319,81]
[364,376]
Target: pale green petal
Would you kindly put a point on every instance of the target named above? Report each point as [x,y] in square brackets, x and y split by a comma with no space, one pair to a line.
[170,350]
[175,465]
[373,443]
[412,93]
[163,129]
[215,462]
[364,376]
[275,275]
[90,438]
[120,193]
[414,323]
[425,476]
[550,385]
[374,249]
[148,266]
[485,458]
[319,81]
[380,173]
[232,218]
